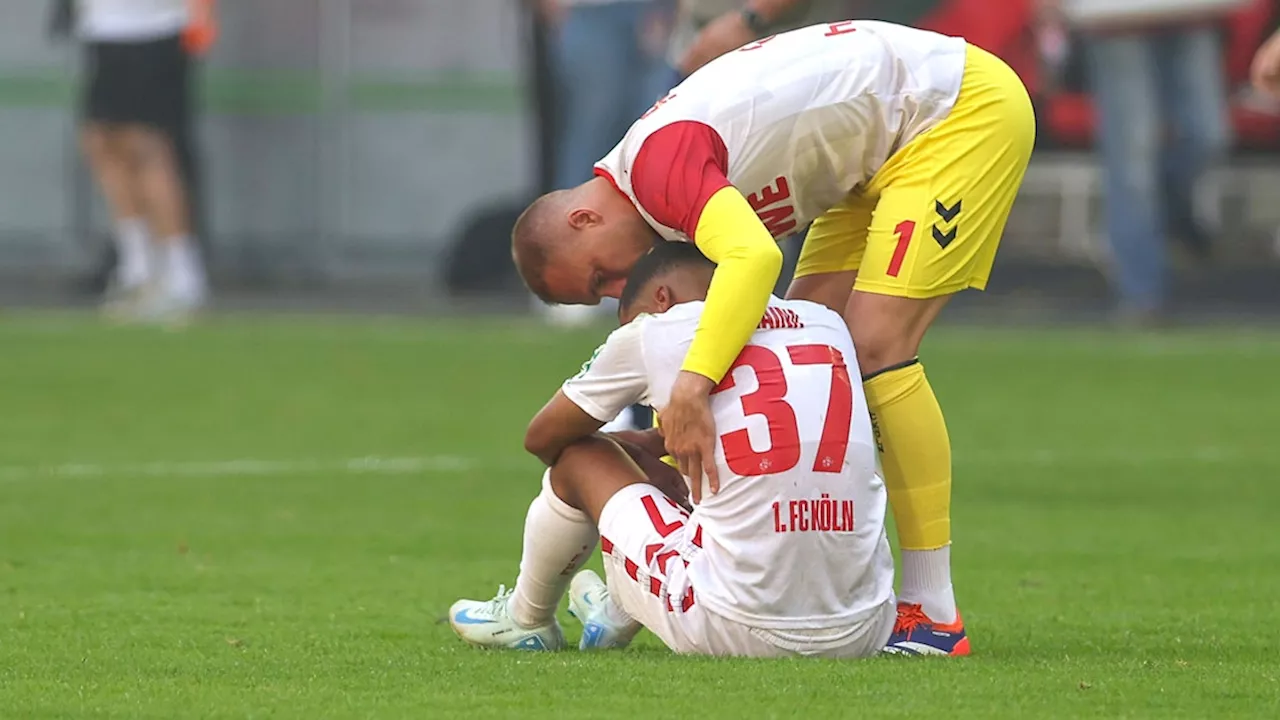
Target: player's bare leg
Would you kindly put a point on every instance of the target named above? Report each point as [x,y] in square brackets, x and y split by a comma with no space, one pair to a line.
[587,475]
[180,270]
[830,289]
[107,153]
[915,453]
[559,536]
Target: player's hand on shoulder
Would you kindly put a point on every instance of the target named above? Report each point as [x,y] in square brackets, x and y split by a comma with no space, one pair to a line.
[689,431]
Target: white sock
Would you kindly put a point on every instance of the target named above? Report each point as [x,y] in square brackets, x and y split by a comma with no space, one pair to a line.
[926,580]
[183,268]
[558,539]
[619,617]
[133,249]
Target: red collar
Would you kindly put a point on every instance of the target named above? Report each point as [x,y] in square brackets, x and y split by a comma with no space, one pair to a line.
[601,172]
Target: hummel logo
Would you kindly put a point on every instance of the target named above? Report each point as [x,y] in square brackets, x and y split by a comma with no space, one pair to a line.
[947,213]
[944,239]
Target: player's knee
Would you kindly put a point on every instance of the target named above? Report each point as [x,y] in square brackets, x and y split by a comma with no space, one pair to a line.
[560,480]
[880,350]
[575,463]
[887,330]
[97,142]
[882,341]
[148,146]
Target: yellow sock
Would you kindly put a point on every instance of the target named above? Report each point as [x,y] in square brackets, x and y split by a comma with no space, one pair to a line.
[915,453]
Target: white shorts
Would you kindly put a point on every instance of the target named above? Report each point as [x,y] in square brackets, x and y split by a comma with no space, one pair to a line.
[647,542]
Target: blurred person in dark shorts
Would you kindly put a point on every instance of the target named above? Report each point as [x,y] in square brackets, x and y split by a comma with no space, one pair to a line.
[135,99]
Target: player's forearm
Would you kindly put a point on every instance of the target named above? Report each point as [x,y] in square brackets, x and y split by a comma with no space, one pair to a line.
[747,265]
[771,10]
[559,424]
[650,441]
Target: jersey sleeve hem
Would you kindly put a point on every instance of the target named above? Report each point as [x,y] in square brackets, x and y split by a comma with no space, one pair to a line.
[587,405]
[613,378]
[676,172]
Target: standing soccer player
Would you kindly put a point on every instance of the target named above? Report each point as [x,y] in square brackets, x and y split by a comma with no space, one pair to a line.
[789,558]
[903,148]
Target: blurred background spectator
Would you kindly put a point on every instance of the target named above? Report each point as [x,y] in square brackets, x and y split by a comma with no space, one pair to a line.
[608,71]
[1157,72]
[135,121]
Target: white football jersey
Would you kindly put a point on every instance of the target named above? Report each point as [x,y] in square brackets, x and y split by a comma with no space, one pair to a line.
[795,537]
[131,20]
[794,121]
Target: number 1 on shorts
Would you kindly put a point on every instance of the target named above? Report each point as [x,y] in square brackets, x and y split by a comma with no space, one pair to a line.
[904,231]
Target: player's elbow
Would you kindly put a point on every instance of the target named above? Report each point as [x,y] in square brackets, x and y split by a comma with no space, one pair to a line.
[539,442]
[764,260]
[770,259]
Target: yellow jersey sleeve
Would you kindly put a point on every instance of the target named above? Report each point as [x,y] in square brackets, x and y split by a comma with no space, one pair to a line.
[747,265]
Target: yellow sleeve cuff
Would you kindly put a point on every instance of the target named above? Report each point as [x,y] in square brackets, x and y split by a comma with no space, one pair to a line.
[747,265]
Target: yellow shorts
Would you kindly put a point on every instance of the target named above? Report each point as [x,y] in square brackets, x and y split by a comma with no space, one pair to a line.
[929,221]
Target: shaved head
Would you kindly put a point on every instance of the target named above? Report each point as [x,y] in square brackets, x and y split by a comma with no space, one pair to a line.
[576,246]
[533,239]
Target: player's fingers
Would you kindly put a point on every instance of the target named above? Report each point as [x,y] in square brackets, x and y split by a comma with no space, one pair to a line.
[695,488]
[708,457]
[672,483]
[695,474]
[682,495]
[679,490]
[687,467]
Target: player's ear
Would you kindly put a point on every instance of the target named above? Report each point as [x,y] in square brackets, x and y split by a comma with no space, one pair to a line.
[583,218]
[663,297]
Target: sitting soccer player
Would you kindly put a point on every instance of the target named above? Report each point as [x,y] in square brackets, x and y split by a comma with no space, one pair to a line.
[788,557]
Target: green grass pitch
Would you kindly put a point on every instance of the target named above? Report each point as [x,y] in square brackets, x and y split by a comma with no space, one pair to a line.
[268,518]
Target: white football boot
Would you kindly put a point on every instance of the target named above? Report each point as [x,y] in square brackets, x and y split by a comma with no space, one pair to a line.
[488,624]
[589,603]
